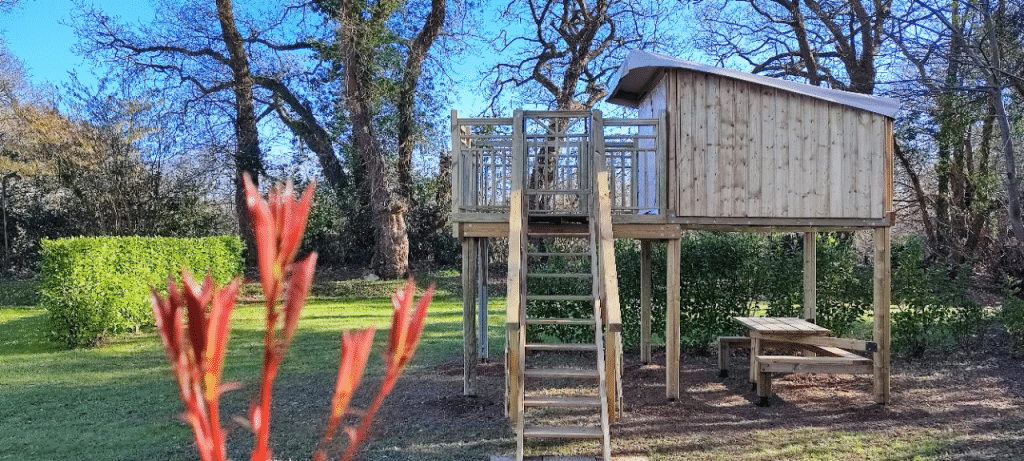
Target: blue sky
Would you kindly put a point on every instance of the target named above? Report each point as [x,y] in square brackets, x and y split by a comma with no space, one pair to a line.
[35,33]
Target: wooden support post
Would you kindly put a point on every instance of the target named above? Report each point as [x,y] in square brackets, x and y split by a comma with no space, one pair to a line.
[481,290]
[645,301]
[811,276]
[469,357]
[672,320]
[882,301]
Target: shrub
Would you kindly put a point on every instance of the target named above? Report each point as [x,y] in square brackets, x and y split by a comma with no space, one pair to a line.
[1012,317]
[96,286]
[726,275]
[934,308]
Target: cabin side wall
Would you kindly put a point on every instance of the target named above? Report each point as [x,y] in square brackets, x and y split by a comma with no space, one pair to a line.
[737,149]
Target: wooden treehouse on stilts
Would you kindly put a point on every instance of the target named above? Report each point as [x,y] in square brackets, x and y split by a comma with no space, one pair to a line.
[712,149]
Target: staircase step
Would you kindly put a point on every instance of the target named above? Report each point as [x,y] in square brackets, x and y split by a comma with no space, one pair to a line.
[561,235]
[557,253]
[562,432]
[562,401]
[548,321]
[559,297]
[561,347]
[578,373]
[560,276]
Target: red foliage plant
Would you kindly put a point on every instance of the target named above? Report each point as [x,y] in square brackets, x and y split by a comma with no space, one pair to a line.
[193,321]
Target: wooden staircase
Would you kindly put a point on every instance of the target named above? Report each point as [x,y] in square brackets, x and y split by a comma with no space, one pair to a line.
[561,271]
[562,284]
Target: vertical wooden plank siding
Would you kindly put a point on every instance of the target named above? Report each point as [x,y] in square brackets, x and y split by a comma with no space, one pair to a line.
[879,184]
[866,155]
[821,153]
[741,187]
[469,357]
[726,145]
[713,111]
[700,144]
[672,344]
[782,165]
[768,151]
[682,136]
[835,161]
[754,151]
[850,164]
[882,301]
[737,149]
[888,148]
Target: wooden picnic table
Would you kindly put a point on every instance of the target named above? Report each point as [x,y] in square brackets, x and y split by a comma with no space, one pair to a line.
[823,353]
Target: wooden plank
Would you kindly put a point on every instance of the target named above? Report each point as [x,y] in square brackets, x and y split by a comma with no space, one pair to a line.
[836,178]
[681,153]
[714,142]
[469,340]
[645,301]
[752,152]
[821,160]
[810,275]
[851,163]
[570,373]
[700,143]
[482,252]
[768,152]
[793,152]
[661,153]
[672,342]
[725,223]
[767,326]
[727,162]
[741,149]
[882,319]
[888,149]
[456,166]
[562,432]
[646,231]
[879,184]
[866,159]
[826,341]
[782,160]
[826,365]
[562,401]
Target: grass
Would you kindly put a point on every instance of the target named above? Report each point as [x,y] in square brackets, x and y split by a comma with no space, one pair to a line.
[119,401]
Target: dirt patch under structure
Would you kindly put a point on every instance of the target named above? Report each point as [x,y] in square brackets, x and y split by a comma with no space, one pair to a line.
[972,402]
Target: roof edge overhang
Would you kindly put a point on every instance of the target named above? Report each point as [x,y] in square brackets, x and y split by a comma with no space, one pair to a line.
[642,70]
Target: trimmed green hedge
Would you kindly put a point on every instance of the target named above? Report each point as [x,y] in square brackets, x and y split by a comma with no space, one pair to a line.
[97,286]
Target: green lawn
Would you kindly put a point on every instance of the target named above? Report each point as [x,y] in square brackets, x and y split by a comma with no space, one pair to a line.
[119,401]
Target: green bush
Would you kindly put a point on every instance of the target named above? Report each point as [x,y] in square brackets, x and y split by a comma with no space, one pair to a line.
[1012,317]
[733,274]
[97,286]
[933,305]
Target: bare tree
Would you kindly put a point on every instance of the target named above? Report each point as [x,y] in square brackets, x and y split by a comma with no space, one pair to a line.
[829,42]
[570,49]
[987,46]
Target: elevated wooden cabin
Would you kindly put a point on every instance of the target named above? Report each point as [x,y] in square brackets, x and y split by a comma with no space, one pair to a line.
[711,149]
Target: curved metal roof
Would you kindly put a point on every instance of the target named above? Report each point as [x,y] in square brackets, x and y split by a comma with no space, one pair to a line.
[642,69]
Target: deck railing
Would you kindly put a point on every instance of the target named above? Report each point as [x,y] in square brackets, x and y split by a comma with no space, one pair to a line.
[556,164]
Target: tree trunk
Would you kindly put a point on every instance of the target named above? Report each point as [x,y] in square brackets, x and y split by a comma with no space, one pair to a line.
[418,49]
[391,242]
[248,159]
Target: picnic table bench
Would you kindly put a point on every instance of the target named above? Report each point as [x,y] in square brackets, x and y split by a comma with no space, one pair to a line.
[821,353]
